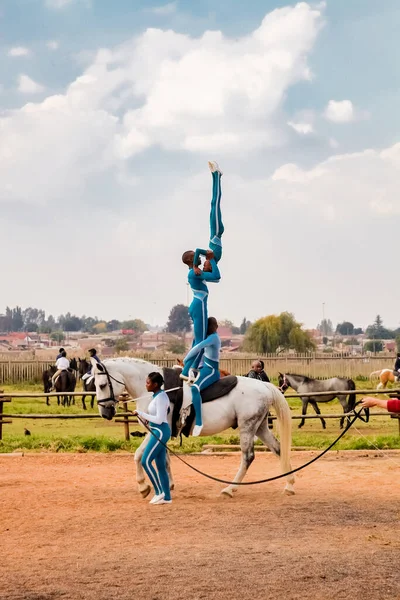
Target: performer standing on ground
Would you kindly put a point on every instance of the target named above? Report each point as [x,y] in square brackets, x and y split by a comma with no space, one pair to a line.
[198,309]
[156,451]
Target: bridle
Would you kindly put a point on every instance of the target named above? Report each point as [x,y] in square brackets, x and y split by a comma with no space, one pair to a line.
[110,385]
[284,385]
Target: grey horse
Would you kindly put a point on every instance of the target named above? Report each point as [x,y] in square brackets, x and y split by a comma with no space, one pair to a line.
[306,385]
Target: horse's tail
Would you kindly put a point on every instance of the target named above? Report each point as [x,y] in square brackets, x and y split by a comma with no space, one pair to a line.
[375,374]
[351,401]
[282,410]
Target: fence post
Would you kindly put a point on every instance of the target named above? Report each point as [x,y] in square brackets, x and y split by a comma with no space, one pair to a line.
[126,422]
[1,415]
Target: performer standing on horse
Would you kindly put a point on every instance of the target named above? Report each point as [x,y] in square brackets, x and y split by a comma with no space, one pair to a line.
[197,278]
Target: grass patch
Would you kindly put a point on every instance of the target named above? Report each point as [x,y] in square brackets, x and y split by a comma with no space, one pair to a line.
[98,435]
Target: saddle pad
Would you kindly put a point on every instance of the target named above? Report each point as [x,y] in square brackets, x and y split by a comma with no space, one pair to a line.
[220,388]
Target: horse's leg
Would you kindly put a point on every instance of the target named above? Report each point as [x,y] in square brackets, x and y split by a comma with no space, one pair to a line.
[83,402]
[316,408]
[144,487]
[92,402]
[247,448]
[346,406]
[303,410]
[266,436]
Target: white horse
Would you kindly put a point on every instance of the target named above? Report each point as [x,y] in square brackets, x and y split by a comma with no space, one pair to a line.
[246,406]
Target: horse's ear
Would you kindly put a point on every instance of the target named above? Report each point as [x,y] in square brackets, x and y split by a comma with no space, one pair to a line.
[281,374]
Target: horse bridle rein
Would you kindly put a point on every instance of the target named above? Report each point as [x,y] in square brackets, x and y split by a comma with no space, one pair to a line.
[110,385]
[285,385]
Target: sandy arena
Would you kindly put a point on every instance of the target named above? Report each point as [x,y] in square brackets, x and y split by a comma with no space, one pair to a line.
[74,527]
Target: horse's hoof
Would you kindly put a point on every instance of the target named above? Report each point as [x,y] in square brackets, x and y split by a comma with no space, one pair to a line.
[172,486]
[145,491]
[227,492]
[289,491]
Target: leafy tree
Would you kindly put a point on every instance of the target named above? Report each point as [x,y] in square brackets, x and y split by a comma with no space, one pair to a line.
[352,342]
[100,327]
[179,320]
[137,325]
[345,328]
[121,345]
[325,327]
[32,327]
[373,346]
[398,343]
[377,331]
[277,331]
[176,347]
[17,319]
[57,336]
[358,330]
[325,340]
[244,326]
[113,325]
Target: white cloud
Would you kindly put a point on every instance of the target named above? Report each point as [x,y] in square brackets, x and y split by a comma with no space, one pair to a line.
[60,4]
[207,94]
[53,45]
[17,51]
[165,10]
[26,85]
[302,128]
[343,111]
[347,185]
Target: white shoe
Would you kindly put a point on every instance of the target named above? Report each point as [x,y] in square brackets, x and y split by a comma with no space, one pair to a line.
[162,501]
[213,166]
[157,498]
[197,430]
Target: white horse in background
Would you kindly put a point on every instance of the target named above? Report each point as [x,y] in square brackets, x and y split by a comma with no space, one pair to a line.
[246,406]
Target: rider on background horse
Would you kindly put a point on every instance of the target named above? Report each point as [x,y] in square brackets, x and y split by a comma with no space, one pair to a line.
[93,354]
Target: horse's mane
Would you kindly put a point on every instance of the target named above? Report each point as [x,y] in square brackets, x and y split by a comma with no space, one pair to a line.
[303,377]
[128,359]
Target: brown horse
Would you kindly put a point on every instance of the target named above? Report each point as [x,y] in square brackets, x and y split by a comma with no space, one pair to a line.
[221,371]
[385,376]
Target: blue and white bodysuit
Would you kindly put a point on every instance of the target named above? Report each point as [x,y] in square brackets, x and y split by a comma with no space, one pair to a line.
[154,451]
[198,310]
[216,225]
[209,371]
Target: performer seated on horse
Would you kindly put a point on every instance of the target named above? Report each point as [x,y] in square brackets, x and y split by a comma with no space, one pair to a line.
[62,364]
[92,354]
[209,369]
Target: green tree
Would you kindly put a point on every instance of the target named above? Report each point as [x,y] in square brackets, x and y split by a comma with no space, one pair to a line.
[325,340]
[377,331]
[57,336]
[345,328]
[17,319]
[113,325]
[277,331]
[176,347]
[325,327]
[179,320]
[137,325]
[121,345]
[245,324]
[373,346]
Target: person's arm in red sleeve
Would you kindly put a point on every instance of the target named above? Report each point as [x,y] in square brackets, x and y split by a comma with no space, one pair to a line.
[393,405]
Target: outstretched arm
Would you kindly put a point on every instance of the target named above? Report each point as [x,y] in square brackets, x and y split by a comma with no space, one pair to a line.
[196,349]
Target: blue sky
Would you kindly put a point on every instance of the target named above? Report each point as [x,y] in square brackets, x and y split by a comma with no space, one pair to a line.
[99,158]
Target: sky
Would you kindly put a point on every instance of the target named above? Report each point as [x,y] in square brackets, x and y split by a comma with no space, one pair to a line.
[109,112]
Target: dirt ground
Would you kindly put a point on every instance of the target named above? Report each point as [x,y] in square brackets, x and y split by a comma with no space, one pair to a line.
[74,527]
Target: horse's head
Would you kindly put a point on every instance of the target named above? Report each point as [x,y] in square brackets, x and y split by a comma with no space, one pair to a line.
[109,386]
[283,382]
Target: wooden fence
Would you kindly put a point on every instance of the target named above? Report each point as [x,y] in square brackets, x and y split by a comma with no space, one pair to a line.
[312,365]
